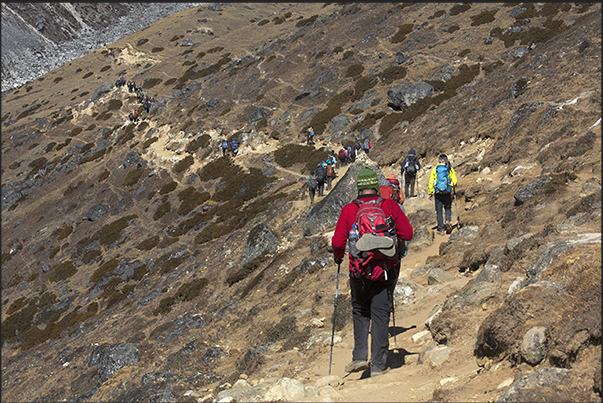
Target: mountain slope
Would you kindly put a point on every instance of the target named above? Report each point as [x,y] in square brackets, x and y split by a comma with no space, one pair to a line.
[138,262]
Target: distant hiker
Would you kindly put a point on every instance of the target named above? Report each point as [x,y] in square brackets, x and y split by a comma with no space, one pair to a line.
[130,86]
[351,154]
[312,185]
[343,157]
[442,182]
[310,136]
[398,197]
[366,146]
[321,176]
[147,106]
[371,294]
[133,116]
[409,169]
[358,148]
[224,146]
[234,145]
[330,173]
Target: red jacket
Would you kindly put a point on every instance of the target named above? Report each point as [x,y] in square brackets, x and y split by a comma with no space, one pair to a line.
[348,216]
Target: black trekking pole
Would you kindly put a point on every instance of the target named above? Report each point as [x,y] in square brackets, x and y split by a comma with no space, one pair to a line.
[334,312]
[458,223]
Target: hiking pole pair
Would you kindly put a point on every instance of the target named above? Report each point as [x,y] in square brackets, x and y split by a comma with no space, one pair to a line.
[334,312]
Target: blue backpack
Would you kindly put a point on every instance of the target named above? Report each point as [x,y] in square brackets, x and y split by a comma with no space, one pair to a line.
[442,184]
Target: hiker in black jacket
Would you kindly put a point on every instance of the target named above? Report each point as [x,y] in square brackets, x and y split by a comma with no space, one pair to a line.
[321,176]
[409,169]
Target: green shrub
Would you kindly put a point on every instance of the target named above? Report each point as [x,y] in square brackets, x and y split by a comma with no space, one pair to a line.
[459,8]
[184,164]
[347,54]
[464,52]
[62,271]
[191,198]
[168,187]
[392,73]
[151,82]
[354,70]
[148,243]
[87,75]
[169,262]
[63,233]
[148,142]
[157,49]
[111,232]
[198,142]
[132,177]
[305,22]
[162,210]
[484,17]
[104,270]
[105,68]
[220,168]
[211,232]
[400,36]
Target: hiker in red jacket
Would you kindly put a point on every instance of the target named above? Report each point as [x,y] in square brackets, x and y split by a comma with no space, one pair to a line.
[372,300]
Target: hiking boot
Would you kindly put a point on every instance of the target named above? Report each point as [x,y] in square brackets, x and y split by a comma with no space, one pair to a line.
[448,227]
[441,232]
[370,242]
[377,372]
[356,366]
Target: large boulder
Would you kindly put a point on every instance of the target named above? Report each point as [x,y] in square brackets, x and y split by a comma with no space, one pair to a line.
[324,215]
[260,239]
[403,96]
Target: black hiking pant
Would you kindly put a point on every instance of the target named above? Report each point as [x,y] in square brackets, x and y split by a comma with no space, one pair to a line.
[321,188]
[371,306]
[409,182]
[443,201]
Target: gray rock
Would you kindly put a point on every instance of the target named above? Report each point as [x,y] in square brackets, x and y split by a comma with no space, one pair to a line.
[539,378]
[104,88]
[434,355]
[422,236]
[260,239]
[468,232]
[131,159]
[338,123]
[110,358]
[534,273]
[258,114]
[400,96]
[527,192]
[438,276]
[484,287]
[533,346]
[95,212]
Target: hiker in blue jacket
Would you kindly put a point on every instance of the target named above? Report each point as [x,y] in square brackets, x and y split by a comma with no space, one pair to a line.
[234,145]
[224,146]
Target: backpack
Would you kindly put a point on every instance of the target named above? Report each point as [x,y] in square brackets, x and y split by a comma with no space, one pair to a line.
[224,144]
[330,170]
[320,173]
[342,154]
[312,182]
[371,221]
[411,168]
[442,184]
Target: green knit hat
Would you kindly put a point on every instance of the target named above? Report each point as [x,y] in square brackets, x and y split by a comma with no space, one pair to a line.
[367,179]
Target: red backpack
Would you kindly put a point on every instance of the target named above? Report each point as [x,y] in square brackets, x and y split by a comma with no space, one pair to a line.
[371,221]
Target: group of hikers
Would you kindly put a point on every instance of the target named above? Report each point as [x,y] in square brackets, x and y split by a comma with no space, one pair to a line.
[234,147]
[376,230]
[143,99]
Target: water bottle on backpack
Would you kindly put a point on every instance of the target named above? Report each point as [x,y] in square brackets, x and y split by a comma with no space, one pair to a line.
[353,238]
